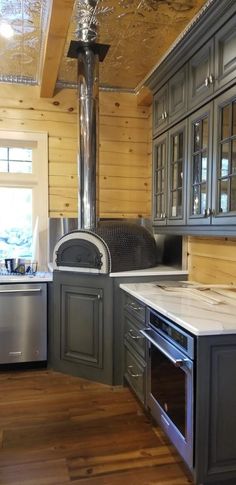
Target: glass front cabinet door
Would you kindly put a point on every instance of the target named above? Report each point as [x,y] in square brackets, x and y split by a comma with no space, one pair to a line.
[224,169]
[169,176]
[200,165]
[160,179]
[177,175]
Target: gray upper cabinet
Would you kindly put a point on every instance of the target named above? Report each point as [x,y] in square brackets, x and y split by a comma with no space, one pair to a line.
[160,109]
[170,102]
[201,74]
[195,191]
[225,54]
[199,169]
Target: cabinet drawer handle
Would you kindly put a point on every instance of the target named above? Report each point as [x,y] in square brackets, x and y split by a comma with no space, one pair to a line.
[132,374]
[134,336]
[135,307]
[165,115]
[162,116]
[207,80]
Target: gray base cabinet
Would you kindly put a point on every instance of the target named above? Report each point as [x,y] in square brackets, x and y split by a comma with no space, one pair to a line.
[83,330]
[214,395]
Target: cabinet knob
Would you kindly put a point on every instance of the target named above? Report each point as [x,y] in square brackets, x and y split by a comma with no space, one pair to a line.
[165,115]
[211,79]
[207,80]
[162,116]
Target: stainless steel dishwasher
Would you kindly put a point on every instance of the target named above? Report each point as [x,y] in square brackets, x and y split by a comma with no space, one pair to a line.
[23,322]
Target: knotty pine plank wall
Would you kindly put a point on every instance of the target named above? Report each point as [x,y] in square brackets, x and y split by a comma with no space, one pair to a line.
[125,158]
[212,260]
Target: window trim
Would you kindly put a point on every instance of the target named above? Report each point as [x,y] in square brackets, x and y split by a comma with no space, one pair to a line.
[37,180]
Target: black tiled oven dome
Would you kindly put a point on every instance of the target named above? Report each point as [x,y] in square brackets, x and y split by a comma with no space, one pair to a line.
[131,246]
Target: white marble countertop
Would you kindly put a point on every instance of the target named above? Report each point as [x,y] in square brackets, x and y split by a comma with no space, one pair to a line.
[201,313]
[37,278]
[159,270]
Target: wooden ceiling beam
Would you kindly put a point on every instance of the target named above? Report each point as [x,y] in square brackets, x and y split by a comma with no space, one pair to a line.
[144,97]
[61,11]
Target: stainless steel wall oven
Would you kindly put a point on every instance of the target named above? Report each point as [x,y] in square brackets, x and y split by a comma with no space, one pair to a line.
[170,389]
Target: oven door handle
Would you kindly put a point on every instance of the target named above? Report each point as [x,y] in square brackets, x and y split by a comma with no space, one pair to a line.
[176,362]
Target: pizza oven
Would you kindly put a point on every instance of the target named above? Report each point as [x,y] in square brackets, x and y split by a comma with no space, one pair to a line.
[111,247]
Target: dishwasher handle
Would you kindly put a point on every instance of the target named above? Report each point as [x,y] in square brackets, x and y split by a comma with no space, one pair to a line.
[21,290]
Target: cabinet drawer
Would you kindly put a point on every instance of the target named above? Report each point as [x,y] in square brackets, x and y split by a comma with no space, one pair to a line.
[135,307]
[133,336]
[135,374]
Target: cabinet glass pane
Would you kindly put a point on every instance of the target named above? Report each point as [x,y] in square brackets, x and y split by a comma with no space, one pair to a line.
[177,175]
[226,129]
[175,148]
[234,118]
[196,136]
[196,169]
[176,203]
[224,160]
[196,200]
[223,196]
[158,156]
[203,198]
[205,133]
[3,166]
[233,194]
[163,153]
[204,168]
[233,157]
[181,144]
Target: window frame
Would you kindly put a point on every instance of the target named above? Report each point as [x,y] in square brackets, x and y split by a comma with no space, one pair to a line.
[37,181]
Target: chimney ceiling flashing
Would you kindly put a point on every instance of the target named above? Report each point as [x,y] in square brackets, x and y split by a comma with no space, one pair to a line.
[78,47]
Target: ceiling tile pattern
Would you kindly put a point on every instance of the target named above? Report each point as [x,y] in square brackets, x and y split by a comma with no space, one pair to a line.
[139,33]
[20,55]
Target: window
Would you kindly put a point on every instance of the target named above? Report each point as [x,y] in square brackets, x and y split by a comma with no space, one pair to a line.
[24,196]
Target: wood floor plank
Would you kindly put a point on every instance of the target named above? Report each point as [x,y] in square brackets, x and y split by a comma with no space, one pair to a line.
[58,430]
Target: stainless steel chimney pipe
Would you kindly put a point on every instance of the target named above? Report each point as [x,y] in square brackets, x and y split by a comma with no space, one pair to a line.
[88,89]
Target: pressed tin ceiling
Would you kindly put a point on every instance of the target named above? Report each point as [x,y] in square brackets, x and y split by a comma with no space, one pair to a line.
[139,33]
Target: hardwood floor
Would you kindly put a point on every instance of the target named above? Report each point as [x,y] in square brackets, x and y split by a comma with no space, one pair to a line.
[56,429]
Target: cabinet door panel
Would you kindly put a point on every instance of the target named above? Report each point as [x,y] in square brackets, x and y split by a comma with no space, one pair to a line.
[178,94]
[160,110]
[81,328]
[201,75]
[225,45]
[222,450]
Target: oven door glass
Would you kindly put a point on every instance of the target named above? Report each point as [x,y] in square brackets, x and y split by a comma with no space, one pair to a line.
[169,388]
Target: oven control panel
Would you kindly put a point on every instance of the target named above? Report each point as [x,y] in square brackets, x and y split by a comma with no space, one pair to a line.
[180,338]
